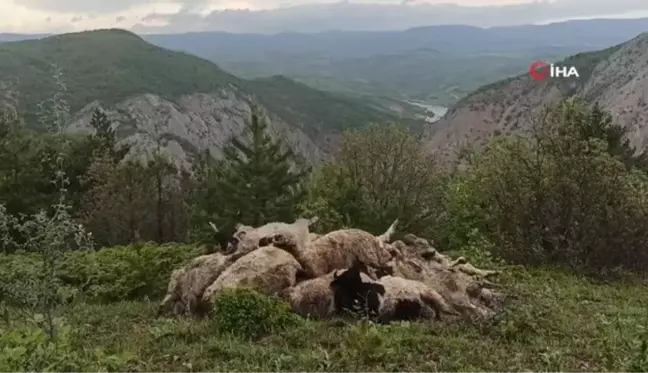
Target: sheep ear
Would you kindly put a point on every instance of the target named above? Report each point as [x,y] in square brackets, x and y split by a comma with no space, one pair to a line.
[335,275]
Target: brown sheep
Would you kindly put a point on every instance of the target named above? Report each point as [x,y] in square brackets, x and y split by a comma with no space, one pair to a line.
[173,295]
[269,270]
[400,291]
[314,297]
[337,250]
[187,284]
[458,289]
[388,299]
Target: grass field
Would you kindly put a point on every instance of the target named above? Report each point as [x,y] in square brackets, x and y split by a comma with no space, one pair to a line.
[554,322]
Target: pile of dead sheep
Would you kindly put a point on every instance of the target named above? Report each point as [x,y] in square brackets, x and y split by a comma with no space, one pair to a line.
[347,271]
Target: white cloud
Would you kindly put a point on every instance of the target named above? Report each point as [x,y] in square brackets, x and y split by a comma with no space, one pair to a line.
[22,19]
[30,16]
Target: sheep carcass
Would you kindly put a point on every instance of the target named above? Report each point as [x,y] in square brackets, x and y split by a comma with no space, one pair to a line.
[187,284]
[337,250]
[268,270]
[388,299]
[314,297]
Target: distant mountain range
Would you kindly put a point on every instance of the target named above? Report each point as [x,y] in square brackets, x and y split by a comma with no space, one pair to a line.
[353,15]
[192,105]
[436,64]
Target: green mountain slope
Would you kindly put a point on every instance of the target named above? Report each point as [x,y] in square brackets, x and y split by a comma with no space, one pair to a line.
[297,103]
[112,65]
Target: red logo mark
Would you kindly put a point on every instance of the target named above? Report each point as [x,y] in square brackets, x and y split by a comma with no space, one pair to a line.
[539,70]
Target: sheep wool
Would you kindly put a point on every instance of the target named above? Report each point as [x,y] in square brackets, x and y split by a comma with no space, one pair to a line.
[269,270]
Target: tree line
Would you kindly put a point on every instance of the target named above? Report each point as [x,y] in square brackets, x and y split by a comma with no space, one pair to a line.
[571,192]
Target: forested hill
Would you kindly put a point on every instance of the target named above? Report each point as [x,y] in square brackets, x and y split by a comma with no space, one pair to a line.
[141,83]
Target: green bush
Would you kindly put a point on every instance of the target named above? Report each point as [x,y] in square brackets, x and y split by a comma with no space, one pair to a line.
[126,272]
[246,313]
[559,196]
[110,274]
[380,173]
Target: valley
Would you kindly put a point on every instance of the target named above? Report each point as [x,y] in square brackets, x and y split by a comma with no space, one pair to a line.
[155,94]
[436,64]
[405,200]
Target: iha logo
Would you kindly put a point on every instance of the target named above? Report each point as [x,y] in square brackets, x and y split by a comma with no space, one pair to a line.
[540,70]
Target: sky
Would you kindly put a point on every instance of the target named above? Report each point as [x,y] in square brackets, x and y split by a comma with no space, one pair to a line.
[272,16]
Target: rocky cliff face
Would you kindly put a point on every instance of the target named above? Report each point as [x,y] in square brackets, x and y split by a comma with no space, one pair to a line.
[618,80]
[192,123]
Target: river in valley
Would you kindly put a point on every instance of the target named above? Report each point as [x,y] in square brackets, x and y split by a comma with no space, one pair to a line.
[432,112]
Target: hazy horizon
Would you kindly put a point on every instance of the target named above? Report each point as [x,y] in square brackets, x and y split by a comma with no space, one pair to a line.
[275,16]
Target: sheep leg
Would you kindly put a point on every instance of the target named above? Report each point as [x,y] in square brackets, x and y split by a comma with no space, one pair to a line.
[433,299]
[471,270]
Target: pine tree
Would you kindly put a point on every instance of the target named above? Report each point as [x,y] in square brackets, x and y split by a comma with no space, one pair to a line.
[258,179]
[599,124]
[105,139]
[257,182]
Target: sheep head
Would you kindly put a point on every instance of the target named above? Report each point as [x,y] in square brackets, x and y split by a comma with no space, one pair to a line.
[351,293]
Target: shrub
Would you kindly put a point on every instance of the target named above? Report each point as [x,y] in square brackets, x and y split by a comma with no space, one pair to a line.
[246,313]
[117,273]
[381,173]
[126,272]
[556,197]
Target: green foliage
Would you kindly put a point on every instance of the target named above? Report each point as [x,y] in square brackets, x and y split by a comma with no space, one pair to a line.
[126,272]
[364,345]
[29,349]
[246,313]
[49,232]
[465,214]
[597,123]
[26,180]
[104,139]
[291,100]
[381,173]
[111,274]
[130,201]
[640,361]
[22,176]
[562,196]
[259,181]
